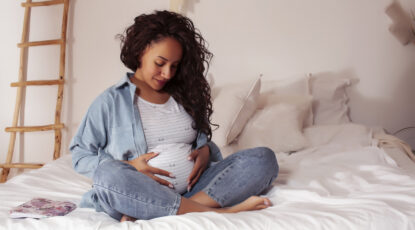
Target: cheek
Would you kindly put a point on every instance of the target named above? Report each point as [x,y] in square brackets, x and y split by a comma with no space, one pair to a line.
[151,70]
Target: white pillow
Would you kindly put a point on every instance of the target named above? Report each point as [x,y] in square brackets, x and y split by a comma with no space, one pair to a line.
[278,125]
[232,107]
[291,86]
[349,135]
[329,99]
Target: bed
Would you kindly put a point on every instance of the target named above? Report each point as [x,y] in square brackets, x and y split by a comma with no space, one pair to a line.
[334,173]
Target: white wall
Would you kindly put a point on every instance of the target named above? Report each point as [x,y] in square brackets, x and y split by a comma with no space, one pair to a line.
[274,37]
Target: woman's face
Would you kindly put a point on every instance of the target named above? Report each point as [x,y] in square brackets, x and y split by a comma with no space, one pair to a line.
[159,63]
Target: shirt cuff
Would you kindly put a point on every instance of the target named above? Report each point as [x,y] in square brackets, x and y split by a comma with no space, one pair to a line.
[102,157]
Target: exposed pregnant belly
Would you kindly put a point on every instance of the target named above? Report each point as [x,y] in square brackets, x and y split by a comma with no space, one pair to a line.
[173,158]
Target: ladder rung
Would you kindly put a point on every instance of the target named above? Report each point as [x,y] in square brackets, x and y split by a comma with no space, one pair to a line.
[21,165]
[41,82]
[34,128]
[40,43]
[44,3]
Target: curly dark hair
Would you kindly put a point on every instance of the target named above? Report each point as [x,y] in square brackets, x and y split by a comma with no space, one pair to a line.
[189,86]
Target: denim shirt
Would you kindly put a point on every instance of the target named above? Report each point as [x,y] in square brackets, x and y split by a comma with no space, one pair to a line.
[112,129]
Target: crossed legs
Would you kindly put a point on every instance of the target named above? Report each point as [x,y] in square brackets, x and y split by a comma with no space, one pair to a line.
[230,185]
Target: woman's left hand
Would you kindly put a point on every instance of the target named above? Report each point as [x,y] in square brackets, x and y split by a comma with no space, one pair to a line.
[201,159]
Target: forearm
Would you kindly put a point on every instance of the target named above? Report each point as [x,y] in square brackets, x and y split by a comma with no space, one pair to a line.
[85,161]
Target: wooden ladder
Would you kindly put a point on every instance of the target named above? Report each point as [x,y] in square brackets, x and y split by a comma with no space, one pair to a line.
[22,84]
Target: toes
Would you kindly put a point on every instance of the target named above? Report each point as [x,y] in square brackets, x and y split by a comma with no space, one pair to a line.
[123,218]
[127,218]
[259,207]
[267,202]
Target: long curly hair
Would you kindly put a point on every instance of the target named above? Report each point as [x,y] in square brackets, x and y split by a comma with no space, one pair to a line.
[188,86]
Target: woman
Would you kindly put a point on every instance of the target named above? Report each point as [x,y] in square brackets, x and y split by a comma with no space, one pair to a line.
[165,101]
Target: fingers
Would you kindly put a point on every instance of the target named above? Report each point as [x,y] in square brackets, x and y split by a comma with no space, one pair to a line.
[153,170]
[149,156]
[192,155]
[161,181]
[195,179]
[192,174]
[162,172]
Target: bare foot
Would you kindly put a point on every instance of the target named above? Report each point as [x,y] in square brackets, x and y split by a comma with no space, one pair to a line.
[250,204]
[127,218]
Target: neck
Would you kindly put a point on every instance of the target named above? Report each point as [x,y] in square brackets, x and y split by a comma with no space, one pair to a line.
[148,93]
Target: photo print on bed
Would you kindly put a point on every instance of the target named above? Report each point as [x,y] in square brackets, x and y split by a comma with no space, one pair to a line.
[41,208]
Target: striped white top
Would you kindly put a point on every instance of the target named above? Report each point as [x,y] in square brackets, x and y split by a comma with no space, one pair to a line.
[165,123]
[168,130]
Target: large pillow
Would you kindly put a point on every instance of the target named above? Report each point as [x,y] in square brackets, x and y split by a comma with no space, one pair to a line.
[287,87]
[348,135]
[233,105]
[329,98]
[278,125]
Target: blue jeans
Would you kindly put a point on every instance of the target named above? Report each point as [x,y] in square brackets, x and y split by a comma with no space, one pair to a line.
[121,189]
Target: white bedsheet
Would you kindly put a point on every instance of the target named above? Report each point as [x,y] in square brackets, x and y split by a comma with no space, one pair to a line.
[325,187]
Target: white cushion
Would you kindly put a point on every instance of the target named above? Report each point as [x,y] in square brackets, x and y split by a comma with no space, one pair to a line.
[289,86]
[278,125]
[232,107]
[329,99]
[350,135]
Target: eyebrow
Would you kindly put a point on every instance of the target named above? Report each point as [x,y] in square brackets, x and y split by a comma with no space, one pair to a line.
[167,59]
[163,58]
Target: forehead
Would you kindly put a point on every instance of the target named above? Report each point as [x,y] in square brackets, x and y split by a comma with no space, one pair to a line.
[168,48]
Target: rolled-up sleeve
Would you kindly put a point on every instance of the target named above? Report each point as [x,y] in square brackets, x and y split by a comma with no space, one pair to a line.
[87,146]
[215,154]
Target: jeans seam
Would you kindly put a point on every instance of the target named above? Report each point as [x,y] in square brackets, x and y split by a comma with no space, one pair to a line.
[172,209]
[176,205]
[211,186]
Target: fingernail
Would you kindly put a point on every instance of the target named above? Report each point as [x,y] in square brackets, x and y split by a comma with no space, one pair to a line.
[171,186]
[188,188]
[172,175]
[189,158]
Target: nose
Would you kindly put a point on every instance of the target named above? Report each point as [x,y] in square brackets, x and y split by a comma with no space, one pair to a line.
[167,73]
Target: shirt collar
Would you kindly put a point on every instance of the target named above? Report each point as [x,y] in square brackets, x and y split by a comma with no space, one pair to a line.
[126,81]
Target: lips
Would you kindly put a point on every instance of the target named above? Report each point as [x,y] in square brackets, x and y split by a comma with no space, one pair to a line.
[161,82]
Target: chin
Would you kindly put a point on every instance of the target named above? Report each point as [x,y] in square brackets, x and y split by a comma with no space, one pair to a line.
[158,89]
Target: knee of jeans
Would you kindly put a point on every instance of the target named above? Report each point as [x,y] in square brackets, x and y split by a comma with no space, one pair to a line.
[267,160]
[107,172]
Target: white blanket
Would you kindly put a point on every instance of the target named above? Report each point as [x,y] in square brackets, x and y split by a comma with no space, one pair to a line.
[324,187]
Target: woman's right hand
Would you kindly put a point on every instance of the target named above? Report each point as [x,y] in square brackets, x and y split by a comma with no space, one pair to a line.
[141,164]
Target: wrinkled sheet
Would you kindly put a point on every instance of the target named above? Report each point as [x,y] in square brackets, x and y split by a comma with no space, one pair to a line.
[324,187]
